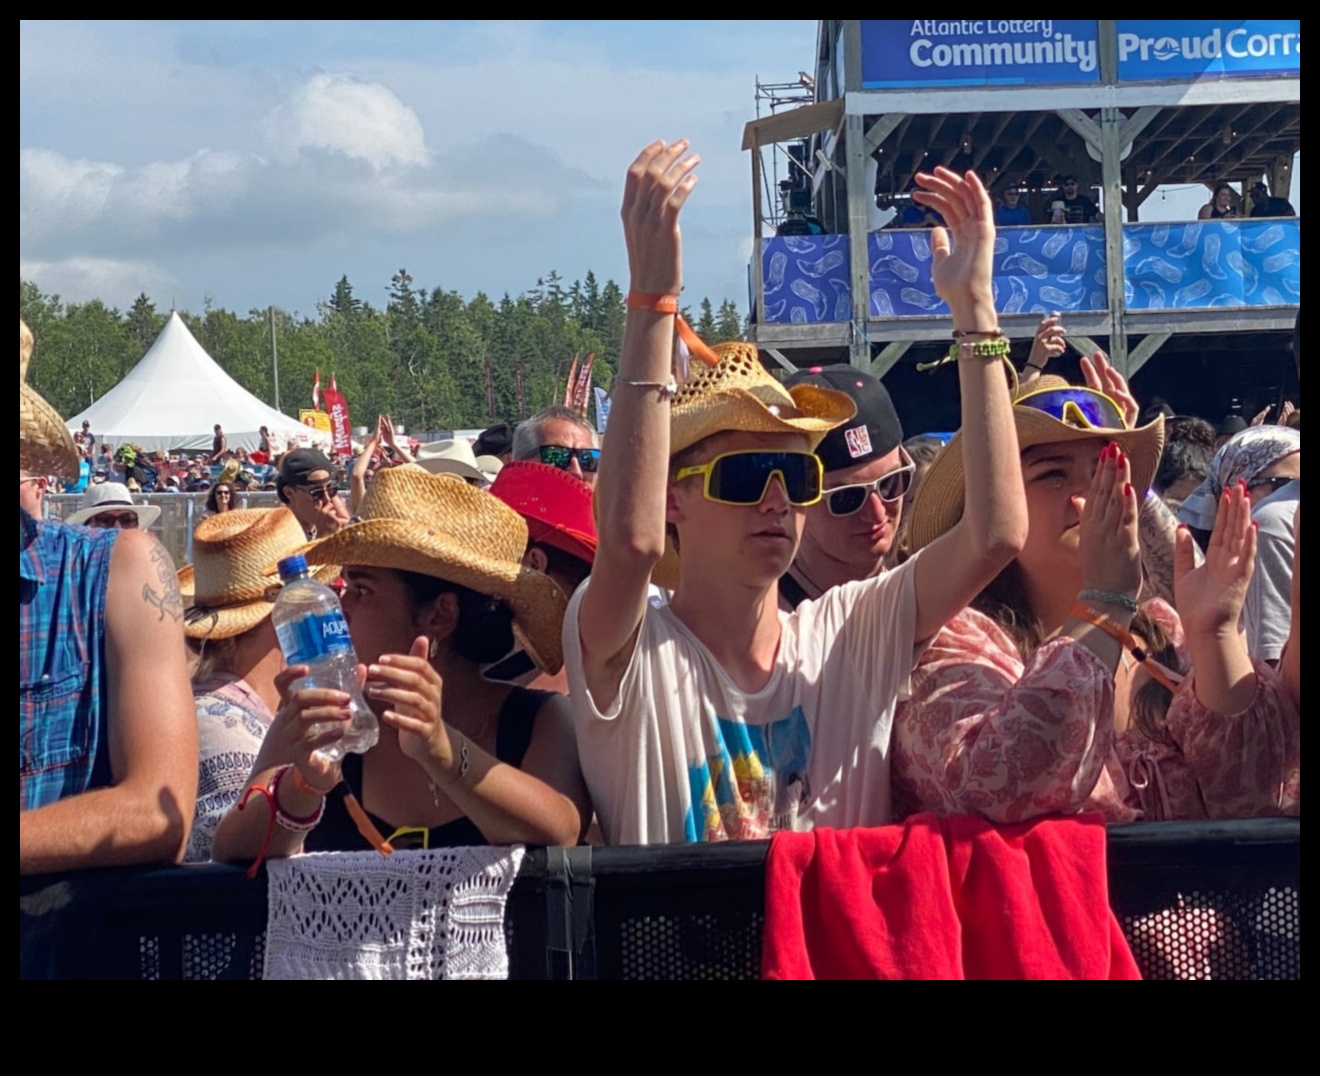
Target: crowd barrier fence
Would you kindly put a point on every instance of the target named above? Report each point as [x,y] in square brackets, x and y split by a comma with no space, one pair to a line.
[1196,900]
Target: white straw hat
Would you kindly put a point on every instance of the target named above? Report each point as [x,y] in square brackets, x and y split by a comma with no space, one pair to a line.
[105,495]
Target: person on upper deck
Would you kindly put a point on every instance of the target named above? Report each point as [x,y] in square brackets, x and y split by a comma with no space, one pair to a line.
[1078,208]
[1264,204]
[1012,210]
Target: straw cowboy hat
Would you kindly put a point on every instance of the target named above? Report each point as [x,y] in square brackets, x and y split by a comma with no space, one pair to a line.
[449,457]
[225,588]
[939,502]
[738,394]
[97,498]
[436,525]
[45,445]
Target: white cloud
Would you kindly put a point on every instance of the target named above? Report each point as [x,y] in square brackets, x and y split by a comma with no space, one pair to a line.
[361,120]
[115,282]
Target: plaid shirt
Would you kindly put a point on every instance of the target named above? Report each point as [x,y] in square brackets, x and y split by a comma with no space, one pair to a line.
[62,702]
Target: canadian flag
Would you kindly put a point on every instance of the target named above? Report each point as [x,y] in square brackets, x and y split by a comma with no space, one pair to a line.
[316,391]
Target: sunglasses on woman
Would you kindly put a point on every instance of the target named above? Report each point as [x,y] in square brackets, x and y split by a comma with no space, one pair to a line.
[1086,409]
[743,478]
[851,499]
[562,456]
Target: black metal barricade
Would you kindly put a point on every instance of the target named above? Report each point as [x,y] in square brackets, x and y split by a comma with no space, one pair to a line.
[1216,900]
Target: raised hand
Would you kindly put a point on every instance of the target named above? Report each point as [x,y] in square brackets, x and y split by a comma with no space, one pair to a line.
[1103,377]
[1285,413]
[1107,535]
[1209,598]
[1258,419]
[962,255]
[658,183]
[1050,342]
[411,689]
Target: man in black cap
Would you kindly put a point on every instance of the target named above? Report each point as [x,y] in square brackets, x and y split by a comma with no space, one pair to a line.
[307,485]
[495,441]
[1264,204]
[850,532]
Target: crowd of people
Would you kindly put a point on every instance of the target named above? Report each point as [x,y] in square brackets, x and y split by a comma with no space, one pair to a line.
[755,607]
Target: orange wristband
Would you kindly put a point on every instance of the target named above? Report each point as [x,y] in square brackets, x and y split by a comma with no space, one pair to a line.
[1125,639]
[306,787]
[657,304]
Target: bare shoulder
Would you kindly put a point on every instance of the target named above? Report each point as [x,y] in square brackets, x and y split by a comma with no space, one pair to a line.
[143,582]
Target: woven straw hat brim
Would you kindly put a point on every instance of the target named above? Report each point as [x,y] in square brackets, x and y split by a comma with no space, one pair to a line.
[45,445]
[233,618]
[940,497]
[739,410]
[538,604]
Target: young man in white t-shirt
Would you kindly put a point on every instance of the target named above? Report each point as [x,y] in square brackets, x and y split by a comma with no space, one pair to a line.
[717,716]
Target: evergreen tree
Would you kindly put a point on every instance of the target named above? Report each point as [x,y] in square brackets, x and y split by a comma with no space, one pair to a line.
[728,325]
[705,325]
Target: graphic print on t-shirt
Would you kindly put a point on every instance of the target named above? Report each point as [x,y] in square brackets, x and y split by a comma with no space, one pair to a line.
[752,781]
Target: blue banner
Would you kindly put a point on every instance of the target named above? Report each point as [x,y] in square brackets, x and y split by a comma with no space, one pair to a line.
[1212,263]
[1167,50]
[977,52]
[1037,270]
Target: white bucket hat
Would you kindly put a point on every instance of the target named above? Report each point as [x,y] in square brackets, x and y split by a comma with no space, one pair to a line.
[106,495]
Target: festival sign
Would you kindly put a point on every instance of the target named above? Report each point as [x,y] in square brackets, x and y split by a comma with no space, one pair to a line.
[317,420]
[978,52]
[340,428]
[1164,50]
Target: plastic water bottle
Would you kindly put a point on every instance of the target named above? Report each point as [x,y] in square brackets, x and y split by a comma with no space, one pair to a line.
[310,624]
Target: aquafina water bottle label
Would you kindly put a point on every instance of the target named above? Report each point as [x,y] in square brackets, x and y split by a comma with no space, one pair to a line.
[314,636]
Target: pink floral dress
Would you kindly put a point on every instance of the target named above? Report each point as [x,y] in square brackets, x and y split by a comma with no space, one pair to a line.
[983,733]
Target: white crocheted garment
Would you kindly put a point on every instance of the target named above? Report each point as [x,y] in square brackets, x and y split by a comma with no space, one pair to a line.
[413,915]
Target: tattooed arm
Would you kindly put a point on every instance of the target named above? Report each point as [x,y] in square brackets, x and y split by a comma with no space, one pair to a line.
[151,729]
[1156,528]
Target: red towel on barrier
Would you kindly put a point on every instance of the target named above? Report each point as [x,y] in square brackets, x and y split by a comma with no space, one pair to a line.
[943,898]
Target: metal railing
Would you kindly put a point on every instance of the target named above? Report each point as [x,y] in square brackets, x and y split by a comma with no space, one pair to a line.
[179,514]
[1204,900]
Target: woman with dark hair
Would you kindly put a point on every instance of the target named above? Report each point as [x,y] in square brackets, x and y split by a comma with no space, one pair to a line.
[435,591]
[1223,203]
[220,499]
[1059,688]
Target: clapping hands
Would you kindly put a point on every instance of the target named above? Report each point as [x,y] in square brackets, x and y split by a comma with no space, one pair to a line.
[1209,598]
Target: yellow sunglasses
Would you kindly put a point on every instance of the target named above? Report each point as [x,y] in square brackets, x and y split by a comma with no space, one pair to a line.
[743,478]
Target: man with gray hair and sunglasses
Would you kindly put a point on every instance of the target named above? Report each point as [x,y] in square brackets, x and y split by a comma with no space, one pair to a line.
[851,531]
[560,437]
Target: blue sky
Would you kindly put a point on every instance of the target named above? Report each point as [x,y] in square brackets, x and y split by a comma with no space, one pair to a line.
[257,162]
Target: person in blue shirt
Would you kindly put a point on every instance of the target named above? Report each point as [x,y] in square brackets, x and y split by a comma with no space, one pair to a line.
[1012,210]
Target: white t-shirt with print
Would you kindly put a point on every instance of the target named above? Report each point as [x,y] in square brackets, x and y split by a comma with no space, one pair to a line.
[683,754]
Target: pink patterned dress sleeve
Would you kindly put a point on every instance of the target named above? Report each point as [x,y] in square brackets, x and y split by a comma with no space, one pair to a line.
[984,734]
[1213,765]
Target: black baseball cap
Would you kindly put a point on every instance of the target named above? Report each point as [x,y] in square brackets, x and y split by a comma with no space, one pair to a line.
[298,464]
[1230,425]
[873,432]
[494,441]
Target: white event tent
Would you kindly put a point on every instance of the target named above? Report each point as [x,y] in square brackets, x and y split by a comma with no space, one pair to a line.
[175,395]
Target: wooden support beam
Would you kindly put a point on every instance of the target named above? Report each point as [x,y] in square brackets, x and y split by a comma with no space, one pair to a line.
[994,141]
[889,356]
[782,362]
[855,157]
[881,129]
[1138,122]
[758,286]
[1113,195]
[1085,345]
[1085,127]
[1140,355]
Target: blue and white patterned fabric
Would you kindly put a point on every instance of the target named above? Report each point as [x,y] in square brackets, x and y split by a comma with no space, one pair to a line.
[1212,263]
[1037,270]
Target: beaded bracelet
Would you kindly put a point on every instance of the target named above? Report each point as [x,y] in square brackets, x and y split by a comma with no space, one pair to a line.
[1109,597]
[286,820]
[994,348]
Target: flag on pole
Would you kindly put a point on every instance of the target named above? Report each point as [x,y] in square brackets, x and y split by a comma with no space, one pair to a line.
[582,393]
[316,391]
[602,409]
[340,430]
[570,386]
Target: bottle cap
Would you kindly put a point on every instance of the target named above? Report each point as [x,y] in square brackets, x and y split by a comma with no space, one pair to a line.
[292,565]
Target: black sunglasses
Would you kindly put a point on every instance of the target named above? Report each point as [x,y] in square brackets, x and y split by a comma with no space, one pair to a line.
[327,492]
[1277,483]
[562,456]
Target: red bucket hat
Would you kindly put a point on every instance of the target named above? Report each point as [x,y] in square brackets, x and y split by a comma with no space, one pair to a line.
[555,504]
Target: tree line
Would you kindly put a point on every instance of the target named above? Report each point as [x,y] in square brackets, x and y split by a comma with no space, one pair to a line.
[429,358]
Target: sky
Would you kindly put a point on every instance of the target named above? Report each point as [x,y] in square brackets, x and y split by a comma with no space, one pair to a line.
[254,163]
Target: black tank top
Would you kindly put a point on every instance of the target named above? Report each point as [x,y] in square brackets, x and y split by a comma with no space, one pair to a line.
[338,833]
